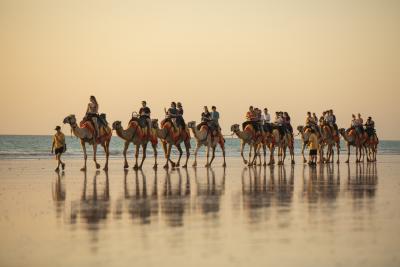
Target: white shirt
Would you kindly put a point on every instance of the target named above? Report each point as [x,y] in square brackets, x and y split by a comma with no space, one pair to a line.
[266,118]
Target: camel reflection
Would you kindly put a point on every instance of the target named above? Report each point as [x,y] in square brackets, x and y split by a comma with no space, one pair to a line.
[322,183]
[209,191]
[363,182]
[175,199]
[59,193]
[94,205]
[260,192]
[142,205]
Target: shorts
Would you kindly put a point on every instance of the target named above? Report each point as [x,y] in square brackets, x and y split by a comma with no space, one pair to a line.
[313,152]
[59,150]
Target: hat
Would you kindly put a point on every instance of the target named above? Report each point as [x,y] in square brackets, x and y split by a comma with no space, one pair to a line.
[57,128]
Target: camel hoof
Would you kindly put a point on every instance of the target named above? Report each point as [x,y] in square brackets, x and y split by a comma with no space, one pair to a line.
[173,164]
[293,162]
[337,161]
[304,161]
[194,165]
[245,161]
[126,166]
[224,165]
[83,169]
[207,165]
[346,161]
[105,168]
[265,164]
[155,167]
[97,166]
[135,167]
[166,167]
[184,166]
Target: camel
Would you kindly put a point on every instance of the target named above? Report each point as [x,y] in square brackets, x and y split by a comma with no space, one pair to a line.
[305,133]
[283,143]
[329,140]
[170,135]
[86,135]
[204,138]
[138,136]
[247,136]
[352,139]
[267,141]
[371,147]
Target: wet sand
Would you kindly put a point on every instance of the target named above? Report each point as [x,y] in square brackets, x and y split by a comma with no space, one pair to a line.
[332,215]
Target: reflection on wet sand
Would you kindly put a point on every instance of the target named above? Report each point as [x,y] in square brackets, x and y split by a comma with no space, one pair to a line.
[175,199]
[140,204]
[322,184]
[260,191]
[209,191]
[59,193]
[93,207]
[363,182]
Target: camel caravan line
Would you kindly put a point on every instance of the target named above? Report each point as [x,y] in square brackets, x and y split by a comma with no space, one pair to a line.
[140,134]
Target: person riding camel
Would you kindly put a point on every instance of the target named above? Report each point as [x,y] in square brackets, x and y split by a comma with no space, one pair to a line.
[353,123]
[180,122]
[92,114]
[214,115]
[359,124]
[144,115]
[370,127]
[286,122]
[279,123]
[205,118]
[250,116]
[171,114]
[266,121]
[257,120]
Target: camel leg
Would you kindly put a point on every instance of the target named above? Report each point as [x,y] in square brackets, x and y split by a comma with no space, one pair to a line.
[180,154]
[155,156]
[137,148]
[223,154]
[187,148]
[198,145]
[271,155]
[144,147]
[94,156]
[84,155]
[242,144]
[126,146]
[168,152]
[249,161]
[284,155]
[302,152]
[338,152]
[207,154]
[265,154]
[348,153]
[213,155]
[292,154]
[107,151]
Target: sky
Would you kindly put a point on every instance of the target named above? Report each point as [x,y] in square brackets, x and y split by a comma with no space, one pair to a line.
[288,55]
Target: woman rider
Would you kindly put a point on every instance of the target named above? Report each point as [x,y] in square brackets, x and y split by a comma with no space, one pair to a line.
[92,113]
[180,122]
[205,118]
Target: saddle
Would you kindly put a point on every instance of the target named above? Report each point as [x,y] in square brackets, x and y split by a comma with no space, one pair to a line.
[141,121]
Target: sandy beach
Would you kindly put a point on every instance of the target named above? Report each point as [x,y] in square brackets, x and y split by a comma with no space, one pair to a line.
[333,215]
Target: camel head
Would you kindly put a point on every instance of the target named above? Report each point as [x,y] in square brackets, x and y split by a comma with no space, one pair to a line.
[191,124]
[300,128]
[116,125]
[235,128]
[70,119]
[154,123]
[342,131]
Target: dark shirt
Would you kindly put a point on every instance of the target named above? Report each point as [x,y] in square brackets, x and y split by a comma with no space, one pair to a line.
[180,112]
[172,112]
[144,111]
[205,116]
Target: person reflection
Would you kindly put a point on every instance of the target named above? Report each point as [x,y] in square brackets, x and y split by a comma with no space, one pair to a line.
[59,193]
[209,191]
[140,204]
[93,207]
[175,200]
[363,182]
[322,184]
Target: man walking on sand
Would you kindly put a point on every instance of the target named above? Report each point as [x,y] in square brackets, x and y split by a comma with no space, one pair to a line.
[58,147]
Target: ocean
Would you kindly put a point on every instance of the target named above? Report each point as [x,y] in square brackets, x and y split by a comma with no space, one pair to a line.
[39,147]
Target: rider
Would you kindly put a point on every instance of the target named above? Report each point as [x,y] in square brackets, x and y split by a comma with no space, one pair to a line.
[286,121]
[279,123]
[250,116]
[92,114]
[214,115]
[180,122]
[144,115]
[266,120]
[370,127]
[171,113]
[359,125]
[205,118]
[257,119]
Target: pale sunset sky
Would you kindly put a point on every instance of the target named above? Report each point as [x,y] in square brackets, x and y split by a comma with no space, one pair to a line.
[288,55]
